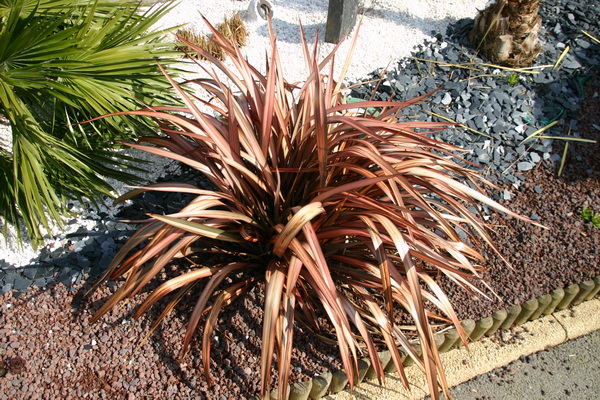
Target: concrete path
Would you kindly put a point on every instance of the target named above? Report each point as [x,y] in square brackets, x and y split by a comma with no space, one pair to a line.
[573,369]
[569,371]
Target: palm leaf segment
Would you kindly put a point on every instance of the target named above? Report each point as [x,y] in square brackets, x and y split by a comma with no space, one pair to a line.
[338,212]
[62,63]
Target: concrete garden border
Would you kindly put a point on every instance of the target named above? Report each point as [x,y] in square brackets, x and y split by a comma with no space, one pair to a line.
[531,310]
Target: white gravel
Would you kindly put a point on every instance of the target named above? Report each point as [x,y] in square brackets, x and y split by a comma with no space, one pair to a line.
[390,30]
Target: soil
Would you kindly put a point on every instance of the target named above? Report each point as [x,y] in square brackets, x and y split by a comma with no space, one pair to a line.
[67,358]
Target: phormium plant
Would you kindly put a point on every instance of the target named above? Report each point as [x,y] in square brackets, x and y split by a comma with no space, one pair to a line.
[61,63]
[340,213]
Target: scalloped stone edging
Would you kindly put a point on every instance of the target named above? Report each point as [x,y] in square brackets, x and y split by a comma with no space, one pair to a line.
[557,300]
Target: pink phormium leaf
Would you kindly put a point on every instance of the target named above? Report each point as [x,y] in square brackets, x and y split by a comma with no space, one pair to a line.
[210,288]
[275,278]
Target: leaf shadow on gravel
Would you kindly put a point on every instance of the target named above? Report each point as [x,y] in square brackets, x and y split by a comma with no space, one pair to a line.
[165,340]
[220,350]
[168,358]
[236,341]
[84,301]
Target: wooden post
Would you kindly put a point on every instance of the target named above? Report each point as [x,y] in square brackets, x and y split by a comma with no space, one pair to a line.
[341,18]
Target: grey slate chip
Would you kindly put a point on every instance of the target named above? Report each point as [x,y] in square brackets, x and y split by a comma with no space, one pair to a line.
[84,263]
[30,271]
[572,64]
[430,83]
[534,217]
[67,278]
[107,244]
[78,245]
[478,120]
[524,166]
[499,127]
[21,283]
[484,158]
[44,253]
[503,98]
[104,261]
[39,282]
[497,158]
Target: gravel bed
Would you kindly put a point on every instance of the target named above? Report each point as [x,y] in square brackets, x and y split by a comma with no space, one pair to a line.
[67,358]
[44,318]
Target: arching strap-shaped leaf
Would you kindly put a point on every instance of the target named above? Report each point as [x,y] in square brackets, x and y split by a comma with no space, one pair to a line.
[199,229]
[417,308]
[174,284]
[295,225]
[168,187]
[208,291]
[386,331]
[286,324]
[275,278]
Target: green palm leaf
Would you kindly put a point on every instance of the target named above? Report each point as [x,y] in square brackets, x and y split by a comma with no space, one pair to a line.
[63,63]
